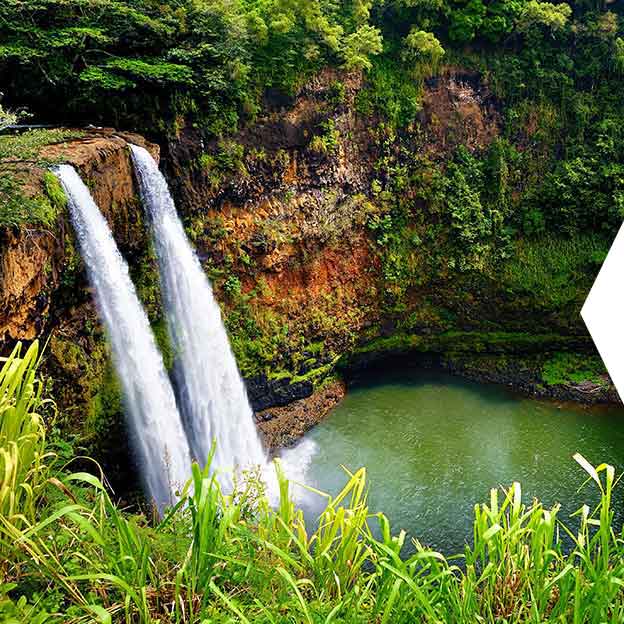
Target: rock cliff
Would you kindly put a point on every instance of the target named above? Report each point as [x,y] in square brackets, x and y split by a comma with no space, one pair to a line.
[326,248]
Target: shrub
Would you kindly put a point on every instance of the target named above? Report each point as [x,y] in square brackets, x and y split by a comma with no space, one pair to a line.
[232,286]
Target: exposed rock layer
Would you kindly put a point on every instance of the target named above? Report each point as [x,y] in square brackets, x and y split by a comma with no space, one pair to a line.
[32,259]
[281,217]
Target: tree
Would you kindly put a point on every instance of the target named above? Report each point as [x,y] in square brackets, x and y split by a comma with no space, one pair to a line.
[423,50]
[618,55]
[544,16]
[366,41]
[501,18]
[466,22]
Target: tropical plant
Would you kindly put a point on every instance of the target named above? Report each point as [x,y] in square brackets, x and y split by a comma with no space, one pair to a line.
[22,436]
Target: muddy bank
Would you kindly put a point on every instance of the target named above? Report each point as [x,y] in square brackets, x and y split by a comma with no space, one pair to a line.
[283,426]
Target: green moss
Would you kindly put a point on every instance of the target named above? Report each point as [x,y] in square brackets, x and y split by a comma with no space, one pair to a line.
[328,142]
[72,265]
[105,410]
[469,342]
[55,191]
[28,145]
[18,208]
[565,368]
[391,92]
[228,159]
[280,374]
[232,286]
[554,271]
[29,196]
[163,341]
[70,354]
[428,315]
[316,375]
[144,272]
[315,348]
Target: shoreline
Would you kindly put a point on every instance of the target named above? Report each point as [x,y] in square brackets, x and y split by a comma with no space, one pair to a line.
[283,426]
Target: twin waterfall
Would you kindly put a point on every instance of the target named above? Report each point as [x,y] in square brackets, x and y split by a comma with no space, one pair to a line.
[211,395]
[155,427]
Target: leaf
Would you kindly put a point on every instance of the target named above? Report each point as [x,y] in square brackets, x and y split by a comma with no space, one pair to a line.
[587,467]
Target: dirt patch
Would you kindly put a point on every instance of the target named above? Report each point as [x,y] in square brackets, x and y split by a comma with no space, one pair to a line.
[283,426]
[458,109]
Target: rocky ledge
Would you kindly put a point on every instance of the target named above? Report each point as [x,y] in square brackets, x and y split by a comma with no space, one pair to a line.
[283,426]
[34,257]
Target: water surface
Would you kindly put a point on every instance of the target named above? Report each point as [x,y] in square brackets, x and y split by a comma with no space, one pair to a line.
[434,445]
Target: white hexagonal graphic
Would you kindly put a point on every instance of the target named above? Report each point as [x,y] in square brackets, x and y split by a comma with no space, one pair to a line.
[603,312]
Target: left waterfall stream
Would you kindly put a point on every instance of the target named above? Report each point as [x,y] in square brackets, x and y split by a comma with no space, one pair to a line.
[154,423]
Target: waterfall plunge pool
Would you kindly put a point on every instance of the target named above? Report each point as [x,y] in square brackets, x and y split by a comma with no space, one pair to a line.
[434,445]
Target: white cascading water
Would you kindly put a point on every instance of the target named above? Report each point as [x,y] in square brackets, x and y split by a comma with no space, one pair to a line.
[213,399]
[154,422]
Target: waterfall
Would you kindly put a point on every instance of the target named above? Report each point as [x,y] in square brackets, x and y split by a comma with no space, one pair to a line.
[213,399]
[154,422]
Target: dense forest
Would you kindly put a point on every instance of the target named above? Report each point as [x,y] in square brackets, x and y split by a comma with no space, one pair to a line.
[473,250]
[147,65]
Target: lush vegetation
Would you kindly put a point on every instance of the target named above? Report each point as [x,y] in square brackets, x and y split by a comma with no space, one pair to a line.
[27,197]
[139,61]
[531,212]
[555,68]
[547,188]
[69,554]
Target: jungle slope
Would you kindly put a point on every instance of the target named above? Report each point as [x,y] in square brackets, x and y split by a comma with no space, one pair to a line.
[435,181]
[322,266]
[335,240]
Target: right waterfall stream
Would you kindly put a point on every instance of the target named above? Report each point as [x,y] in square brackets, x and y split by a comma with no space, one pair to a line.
[212,396]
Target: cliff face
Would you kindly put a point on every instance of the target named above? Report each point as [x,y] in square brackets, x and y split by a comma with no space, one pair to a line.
[27,262]
[284,212]
[322,231]
[35,260]
[43,288]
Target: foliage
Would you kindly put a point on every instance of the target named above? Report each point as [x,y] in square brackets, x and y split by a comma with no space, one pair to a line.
[129,61]
[22,437]
[425,51]
[360,45]
[208,65]
[228,159]
[237,557]
[232,286]
[328,142]
[17,208]
[586,191]
[9,117]
[536,14]
[566,368]
[466,22]
[31,197]
[389,94]
[471,197]
[28,145]
[555,271]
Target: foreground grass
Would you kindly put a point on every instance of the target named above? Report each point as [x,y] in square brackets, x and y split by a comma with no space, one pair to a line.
[68,554]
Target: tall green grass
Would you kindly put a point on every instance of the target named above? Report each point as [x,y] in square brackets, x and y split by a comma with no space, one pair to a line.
[71,555]
[22,435]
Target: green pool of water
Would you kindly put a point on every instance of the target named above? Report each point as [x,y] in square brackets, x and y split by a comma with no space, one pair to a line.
[434,445]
